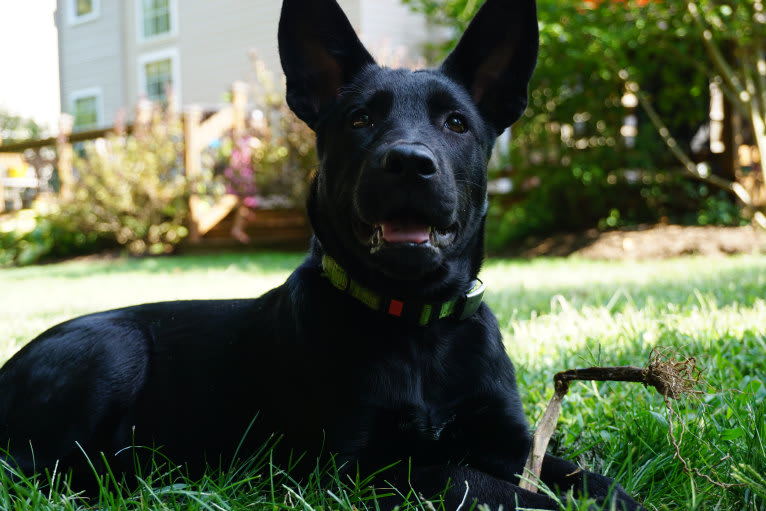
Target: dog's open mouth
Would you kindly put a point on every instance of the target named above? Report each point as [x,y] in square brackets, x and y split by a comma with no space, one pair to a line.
[408,233]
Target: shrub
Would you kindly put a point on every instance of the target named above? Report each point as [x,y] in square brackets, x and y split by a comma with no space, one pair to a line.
[133,189]
[51,236]
[571,199]
[272,159]
[285,156]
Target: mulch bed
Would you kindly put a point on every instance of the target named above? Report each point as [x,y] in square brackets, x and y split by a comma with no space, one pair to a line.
[647,242]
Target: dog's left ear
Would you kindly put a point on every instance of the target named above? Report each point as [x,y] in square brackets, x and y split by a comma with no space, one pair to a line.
[320,53]
[495,59]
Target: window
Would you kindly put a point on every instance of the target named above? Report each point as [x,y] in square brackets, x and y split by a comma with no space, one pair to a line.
[159,72]
[86,109]
[158,77]
[81,11]
[83,7]
[156,18]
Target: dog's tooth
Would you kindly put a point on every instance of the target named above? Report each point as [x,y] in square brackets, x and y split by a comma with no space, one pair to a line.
[377,236]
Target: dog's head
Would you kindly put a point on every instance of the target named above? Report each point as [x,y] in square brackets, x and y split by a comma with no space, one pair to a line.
[400,196]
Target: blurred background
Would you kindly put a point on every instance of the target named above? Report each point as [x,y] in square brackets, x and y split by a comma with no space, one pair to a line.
[151,126]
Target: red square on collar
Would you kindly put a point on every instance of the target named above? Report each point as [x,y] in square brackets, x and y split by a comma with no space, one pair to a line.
[395,308]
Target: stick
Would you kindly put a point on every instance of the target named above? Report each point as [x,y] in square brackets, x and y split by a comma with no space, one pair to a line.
[547,425]
[541,438]
[672,378]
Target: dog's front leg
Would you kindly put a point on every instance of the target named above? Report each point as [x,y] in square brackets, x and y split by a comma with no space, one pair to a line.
[562,475]
[64,396]
[450,486]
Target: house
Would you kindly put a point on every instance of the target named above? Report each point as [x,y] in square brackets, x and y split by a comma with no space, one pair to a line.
[113,53]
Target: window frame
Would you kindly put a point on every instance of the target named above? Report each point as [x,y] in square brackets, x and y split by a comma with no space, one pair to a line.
[90,92]
[172,22]
[75,19]
[175,70]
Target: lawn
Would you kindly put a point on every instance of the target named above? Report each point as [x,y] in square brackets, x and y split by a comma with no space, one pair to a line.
[554,313]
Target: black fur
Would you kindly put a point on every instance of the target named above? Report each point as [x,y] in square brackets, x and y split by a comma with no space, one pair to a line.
[400,151]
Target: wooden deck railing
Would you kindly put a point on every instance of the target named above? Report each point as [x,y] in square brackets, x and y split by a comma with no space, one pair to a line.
[198,134]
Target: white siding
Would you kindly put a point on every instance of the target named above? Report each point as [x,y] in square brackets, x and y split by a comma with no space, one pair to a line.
[388,26]
[353,10]
[89,56]
[215,54]
[212,40]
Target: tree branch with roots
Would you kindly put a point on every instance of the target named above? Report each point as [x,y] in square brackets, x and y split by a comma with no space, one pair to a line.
[671,376]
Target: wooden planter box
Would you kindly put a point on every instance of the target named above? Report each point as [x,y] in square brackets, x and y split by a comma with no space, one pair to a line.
[285,229]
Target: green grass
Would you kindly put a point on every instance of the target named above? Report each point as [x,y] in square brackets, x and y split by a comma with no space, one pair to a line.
[554,313]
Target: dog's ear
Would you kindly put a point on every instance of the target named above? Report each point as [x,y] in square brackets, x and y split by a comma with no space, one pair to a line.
[495,59]
[320,53]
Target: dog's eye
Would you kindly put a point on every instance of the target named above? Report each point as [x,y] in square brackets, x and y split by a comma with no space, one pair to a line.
[361,119]
[456,123]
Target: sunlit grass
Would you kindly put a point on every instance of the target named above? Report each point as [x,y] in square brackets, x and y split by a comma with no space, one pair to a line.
[555,314]
[560,314]
[37,297]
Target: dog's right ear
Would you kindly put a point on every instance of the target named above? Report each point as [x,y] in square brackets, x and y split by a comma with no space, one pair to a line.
[320,53]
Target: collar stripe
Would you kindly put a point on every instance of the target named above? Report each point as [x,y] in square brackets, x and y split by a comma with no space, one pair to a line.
[463,306]
[395,308]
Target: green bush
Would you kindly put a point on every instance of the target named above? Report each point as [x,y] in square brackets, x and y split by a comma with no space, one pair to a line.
[14,128]
[578,198]
[291,142]
[588,174]
[133,189]
[53,236]
[130,191]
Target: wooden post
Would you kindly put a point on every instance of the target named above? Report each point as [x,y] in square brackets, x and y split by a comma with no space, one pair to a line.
[143,118]
[193,165]
[171,109]
[192,149]
[120,125]
[239,104]
[65,157]
[722,147]
[729,156]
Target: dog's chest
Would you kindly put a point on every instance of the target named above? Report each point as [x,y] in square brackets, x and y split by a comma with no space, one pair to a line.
[411,406]
[419,422]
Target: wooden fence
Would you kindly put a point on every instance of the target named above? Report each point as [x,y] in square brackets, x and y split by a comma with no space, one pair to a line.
[200,130]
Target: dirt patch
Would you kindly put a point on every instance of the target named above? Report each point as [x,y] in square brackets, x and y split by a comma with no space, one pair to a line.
[648,242]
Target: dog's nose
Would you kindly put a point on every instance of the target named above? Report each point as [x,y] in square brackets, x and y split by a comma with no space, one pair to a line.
[410,161]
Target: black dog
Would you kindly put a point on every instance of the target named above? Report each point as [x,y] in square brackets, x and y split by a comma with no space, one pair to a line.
[377,348]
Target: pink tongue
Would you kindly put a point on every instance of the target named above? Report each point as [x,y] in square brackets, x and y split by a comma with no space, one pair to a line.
[405,233]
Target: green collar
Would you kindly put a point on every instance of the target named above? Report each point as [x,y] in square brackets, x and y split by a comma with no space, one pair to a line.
[423,314]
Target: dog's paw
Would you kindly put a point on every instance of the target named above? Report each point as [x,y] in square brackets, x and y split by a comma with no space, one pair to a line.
[616,499]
